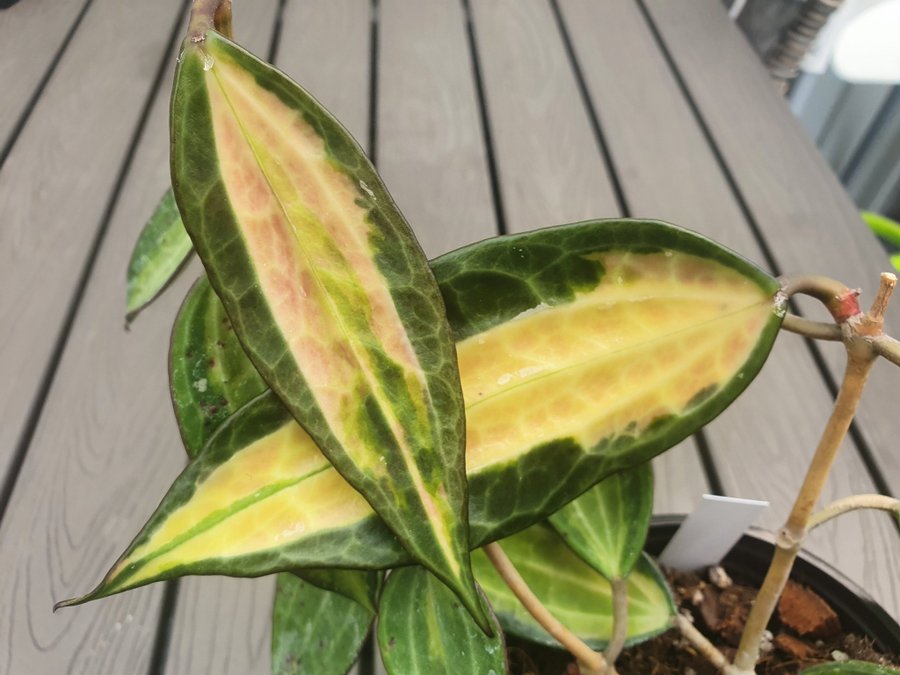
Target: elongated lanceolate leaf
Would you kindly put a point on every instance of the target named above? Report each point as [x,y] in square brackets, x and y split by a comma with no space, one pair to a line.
[584,350]
[572,591]
[327,290]
[160,252]
[607,525]
[315,631]
[423,630]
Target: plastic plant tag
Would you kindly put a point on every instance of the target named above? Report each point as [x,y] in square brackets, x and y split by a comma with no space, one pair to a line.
[707,534]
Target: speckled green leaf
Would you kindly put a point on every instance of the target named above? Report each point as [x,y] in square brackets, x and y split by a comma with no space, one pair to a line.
[209,374]
[361,586]
[423,630]
[648,343]
[160,252]
[327,290]
[607,525]
[315,631]
[850,668]
[573,592]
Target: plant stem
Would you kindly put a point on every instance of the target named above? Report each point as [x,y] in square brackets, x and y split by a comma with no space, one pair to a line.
[620,620]
[589,661]
[846,504]
[816,330]
[860,331]
[209,14]
[706,648]
[837,298]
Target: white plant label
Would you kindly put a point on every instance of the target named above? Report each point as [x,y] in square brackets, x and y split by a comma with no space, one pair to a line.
[707,534]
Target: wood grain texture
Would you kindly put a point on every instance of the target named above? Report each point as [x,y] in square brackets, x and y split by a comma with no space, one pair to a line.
[86,483]
[668,171]
[550,168]
[800,207]
[56,184]
[22,64]
[430,146]
[219,625]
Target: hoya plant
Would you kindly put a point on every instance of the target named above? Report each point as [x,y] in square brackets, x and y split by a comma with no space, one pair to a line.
[443,452]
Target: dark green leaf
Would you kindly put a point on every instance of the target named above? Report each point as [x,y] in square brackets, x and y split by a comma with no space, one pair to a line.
[160,252]
[358,585]
[423,630]
[315,631]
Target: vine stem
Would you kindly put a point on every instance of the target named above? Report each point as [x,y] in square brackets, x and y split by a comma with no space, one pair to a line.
[620,620]
[858,331]
[706,648]
[207,14]
[840,506]
[589,661]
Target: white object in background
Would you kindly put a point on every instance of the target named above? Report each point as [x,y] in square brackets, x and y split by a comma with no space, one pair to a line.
[867,50]
[818,57]
[708,533]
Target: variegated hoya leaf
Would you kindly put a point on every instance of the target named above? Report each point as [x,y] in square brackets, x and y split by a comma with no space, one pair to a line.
[572,591]
[209,375]
[584,350]
[607,525]
[160,252]
[423,630]
[315,631]
[327,290]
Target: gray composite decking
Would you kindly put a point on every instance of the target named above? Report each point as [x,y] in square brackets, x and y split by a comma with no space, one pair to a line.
[484,116]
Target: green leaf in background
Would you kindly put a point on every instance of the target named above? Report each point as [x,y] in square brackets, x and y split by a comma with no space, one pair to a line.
[160,252]
[887,230]
[565,383]
[210,377]
[315,631]
[607,525]
[850,668]
[361,586]
[327,290]
[572,591]
[423,630]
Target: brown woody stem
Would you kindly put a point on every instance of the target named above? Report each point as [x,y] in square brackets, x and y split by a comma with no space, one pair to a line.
[589,661]
[860,332]
[209,14]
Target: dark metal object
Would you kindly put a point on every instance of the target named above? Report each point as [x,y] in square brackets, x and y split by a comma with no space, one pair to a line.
[783,60]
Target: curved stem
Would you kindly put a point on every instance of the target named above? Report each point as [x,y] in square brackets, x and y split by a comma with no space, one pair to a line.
[702,644]
[589,661]
[837,298]
[816,330]
[887,347]
[620,620]
[840,506]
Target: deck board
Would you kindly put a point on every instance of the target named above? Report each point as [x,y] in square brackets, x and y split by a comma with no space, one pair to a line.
[86,484]
[802,211]
[20,78]
[51,216]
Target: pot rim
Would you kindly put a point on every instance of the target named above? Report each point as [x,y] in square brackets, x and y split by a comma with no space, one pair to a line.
[857,610]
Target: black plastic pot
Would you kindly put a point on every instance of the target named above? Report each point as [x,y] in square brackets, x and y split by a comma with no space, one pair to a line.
[749,560]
